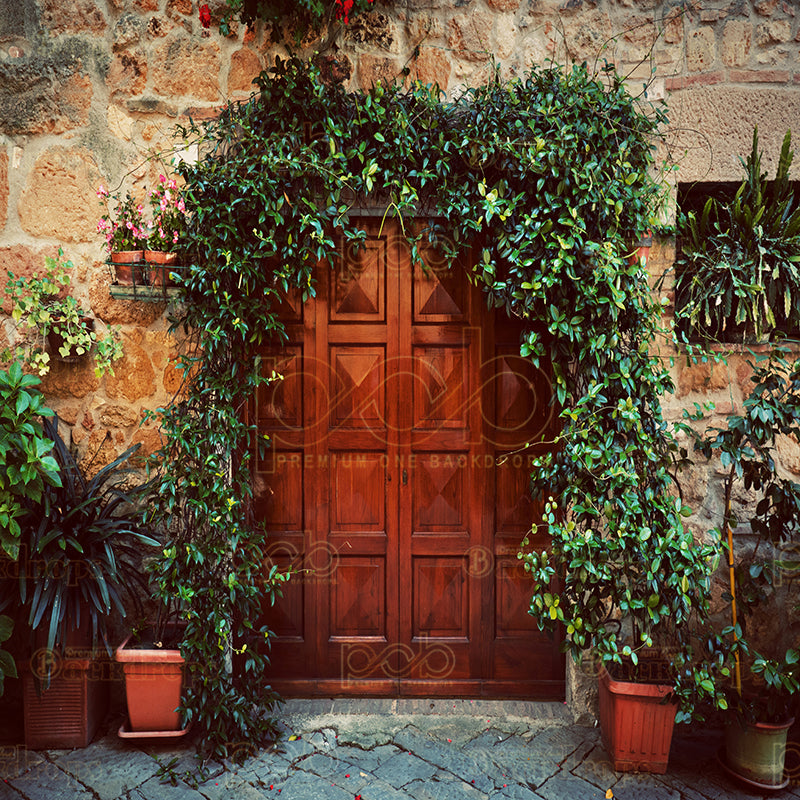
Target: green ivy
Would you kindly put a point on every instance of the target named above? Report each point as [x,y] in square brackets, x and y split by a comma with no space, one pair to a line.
[549,178]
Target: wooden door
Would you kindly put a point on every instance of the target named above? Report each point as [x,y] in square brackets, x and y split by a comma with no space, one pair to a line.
[397,486]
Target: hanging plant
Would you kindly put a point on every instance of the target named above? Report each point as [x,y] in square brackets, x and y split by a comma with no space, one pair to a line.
[549,180]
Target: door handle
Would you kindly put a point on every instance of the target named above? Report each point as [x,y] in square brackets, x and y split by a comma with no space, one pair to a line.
[405,477]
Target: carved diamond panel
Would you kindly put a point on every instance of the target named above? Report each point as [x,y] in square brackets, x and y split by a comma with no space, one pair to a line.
[440,593]
[521,392]
[358,597]
[439,293]
[441,387]
[515,509]
[358,283]
[439,501]
[278,491]
[512,592]
[280,402]
[358,493]
[359,386]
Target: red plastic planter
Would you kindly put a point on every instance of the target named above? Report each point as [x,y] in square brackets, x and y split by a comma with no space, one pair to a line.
[153,682]
[636,725]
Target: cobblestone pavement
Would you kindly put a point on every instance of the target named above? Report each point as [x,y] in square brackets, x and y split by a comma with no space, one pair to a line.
[383,750]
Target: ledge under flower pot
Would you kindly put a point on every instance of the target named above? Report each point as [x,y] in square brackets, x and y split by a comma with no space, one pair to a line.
[153,685]
[636,724]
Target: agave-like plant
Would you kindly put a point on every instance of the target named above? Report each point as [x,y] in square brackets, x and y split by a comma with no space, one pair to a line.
[80,549]
[738,271]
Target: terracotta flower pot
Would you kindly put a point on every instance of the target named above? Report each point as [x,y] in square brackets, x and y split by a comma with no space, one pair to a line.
[636,725]
[69,712]
[153,684]
[159,266]
[129,268]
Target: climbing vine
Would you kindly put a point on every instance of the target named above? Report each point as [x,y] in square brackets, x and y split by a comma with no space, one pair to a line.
[549,179]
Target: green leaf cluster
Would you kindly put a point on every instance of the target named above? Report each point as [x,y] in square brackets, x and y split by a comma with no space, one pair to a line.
[541,185]
[746,447]
[80,542]
[25,453]
[738,268]
[44,313]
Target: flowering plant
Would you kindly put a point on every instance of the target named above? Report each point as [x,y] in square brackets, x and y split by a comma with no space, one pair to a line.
[169,216]
[124,228]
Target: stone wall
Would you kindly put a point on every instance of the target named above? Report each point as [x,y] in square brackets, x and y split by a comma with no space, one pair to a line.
[91,90]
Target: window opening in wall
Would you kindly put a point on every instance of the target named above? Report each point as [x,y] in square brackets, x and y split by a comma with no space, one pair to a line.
[737,269]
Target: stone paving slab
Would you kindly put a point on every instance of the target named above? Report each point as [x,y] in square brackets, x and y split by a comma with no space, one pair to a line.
[343,750]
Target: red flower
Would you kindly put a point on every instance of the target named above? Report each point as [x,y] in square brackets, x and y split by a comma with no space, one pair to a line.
[205,15]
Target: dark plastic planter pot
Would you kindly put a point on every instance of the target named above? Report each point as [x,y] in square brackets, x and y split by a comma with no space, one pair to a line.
[153,683]
[636,724]
[757,753]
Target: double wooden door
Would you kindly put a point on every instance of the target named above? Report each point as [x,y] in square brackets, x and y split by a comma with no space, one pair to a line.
[397,485]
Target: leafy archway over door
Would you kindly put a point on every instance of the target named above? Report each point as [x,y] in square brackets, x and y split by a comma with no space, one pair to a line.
[549,175]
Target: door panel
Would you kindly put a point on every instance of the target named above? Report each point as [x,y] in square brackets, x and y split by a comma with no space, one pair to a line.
[397,485]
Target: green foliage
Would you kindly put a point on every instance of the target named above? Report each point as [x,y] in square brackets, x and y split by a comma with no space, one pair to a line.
[42,310]
[547,179]
[8,669]
[746,450]
[79,545]
[738,271]
[24,453]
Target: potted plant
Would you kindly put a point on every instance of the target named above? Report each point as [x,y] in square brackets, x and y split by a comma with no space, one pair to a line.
[51,323]
[125,233]
[166,230]
[79,549]
[153,670]
[766,668]
[738,266]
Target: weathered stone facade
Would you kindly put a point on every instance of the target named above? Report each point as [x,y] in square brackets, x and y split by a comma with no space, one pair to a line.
[90,90]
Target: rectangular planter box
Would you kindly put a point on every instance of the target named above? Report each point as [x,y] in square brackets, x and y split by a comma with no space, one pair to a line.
[636,726]
[69,712]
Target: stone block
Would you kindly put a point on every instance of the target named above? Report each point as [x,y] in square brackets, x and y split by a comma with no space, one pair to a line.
[134,378]
[150,439]
[48,93]
[186,66]
[503,5]
[431,67]
[3,189]
[24,262]
[737,38]
[701,378]
[375,69]
[128,31]
[774,32]
[373,29]
[245,66]
[700,50]
[697,120]
[469,36]
[70,379]
[118,312]
[59,199]
[118,416]
[79,16]
[127,74]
